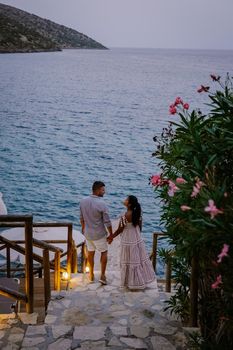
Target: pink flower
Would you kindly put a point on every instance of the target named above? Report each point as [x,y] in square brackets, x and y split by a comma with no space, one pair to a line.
[217,282]
[203,89]
[185,208]
[212,209]
[155,180]
[196,188]
[180,180]
[178,101]
[172,188]
[223,253]
[186,106]
[214,77]
[172,109]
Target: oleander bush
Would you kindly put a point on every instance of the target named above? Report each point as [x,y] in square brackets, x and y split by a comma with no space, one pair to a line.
[196,191]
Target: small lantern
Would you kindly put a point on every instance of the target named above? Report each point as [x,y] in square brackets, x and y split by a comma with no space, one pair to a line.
[65,276]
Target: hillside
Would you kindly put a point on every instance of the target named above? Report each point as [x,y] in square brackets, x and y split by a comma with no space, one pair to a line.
[21,31]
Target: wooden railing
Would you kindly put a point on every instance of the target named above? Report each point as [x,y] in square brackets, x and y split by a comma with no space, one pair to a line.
[46,265]
[168,278]
[26,220]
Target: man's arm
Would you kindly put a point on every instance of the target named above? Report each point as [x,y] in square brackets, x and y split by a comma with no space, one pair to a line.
[107,221]
[82,222]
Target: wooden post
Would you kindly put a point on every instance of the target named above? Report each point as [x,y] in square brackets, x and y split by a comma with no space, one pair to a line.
[154,250]
[47,290]
[29,265]
[57,272]
[8,262]
[194,292]
[74,268]
[168,277]
[69,249]
[40,272]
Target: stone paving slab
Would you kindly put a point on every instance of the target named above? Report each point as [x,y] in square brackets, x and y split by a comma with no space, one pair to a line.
[93,316]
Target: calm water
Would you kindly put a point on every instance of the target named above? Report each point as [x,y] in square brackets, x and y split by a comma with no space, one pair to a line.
[69,118]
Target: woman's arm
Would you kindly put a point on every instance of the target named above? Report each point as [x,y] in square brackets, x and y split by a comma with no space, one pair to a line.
[140,223]
[119,230]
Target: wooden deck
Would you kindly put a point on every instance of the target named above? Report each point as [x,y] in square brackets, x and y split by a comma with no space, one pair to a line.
[39,295]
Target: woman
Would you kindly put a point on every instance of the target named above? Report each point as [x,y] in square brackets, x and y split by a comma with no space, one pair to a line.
[136,267]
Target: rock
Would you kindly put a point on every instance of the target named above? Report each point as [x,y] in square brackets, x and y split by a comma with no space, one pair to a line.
[28,318]
[88,345]
[2,333]
[164,329]
[123,322]
[134,343]
[49,319]
[161,343]
[114,342]
[140,332]
[60,344]
[32,341]
[60,330]
[180,339]
[15,338]
[17,330]
[36,330]
[135,319]
[89,333]
[11,347]
[119,330]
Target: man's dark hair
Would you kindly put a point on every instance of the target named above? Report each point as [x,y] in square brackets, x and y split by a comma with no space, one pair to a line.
[97,185]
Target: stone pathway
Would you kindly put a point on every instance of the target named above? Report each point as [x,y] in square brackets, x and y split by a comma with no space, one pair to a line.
[92,316]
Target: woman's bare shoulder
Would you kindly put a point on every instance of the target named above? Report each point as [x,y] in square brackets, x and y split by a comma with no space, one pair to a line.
[128,216]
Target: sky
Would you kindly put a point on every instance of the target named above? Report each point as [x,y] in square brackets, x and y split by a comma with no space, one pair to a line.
[193,24]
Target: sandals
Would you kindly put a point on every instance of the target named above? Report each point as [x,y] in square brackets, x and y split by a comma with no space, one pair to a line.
[103,280]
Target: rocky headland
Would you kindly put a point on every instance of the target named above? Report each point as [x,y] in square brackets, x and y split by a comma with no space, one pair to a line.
[21,31]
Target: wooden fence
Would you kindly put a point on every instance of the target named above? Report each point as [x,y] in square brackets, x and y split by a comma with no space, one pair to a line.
[168,278]
[46,265]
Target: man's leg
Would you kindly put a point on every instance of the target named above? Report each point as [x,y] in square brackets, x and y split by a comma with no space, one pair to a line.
[103,262]
[90,258]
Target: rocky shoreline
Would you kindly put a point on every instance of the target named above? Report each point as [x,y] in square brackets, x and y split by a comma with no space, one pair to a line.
[22,32]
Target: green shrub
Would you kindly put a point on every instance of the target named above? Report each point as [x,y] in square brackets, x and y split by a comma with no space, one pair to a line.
[196,191]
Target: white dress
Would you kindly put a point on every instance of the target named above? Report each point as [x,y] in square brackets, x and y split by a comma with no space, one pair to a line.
[136,268]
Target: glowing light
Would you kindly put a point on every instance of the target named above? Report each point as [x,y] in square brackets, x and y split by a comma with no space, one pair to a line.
[87,269]
[65,275]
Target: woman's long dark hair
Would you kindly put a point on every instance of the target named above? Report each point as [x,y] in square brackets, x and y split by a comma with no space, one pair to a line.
[136,210]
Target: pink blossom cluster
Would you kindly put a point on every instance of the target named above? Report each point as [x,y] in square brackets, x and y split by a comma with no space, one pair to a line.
[172,188]
[196,188]
[178,101]
[185,207]
[157,180]
[215,77]
[224,253]
[203,88]
[217,282]
[212,209]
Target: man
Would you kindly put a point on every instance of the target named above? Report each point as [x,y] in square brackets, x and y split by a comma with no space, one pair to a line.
[94,219]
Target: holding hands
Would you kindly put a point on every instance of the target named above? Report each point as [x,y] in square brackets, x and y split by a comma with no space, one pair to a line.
[121,226]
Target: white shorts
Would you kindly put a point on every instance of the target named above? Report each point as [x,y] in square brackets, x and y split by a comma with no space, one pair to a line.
[100,245]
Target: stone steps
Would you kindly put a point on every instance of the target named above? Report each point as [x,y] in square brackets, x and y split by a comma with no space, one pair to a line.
[93,316]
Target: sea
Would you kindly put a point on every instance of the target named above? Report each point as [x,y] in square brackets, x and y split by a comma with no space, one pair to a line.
[72,117]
